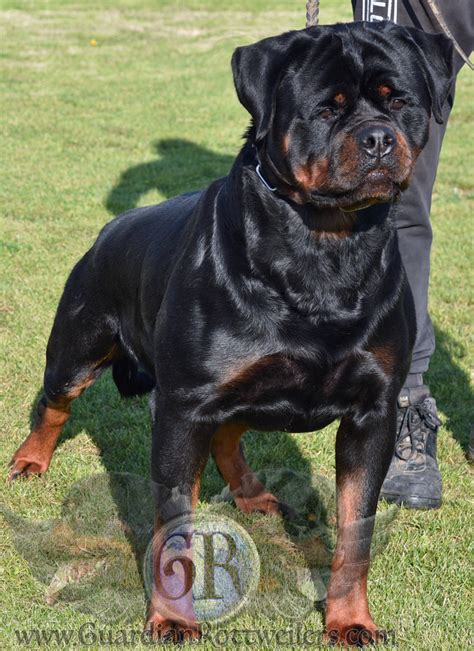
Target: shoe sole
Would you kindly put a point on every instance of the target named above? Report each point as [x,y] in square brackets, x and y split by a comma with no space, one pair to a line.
[412,501]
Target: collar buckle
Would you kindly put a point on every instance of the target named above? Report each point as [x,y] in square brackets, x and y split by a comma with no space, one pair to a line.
[263,179]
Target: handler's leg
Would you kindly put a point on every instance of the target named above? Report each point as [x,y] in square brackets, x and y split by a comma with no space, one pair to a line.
[415,235]
[413,478]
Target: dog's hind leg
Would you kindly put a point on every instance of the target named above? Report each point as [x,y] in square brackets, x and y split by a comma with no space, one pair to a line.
[249,493]
[82,343]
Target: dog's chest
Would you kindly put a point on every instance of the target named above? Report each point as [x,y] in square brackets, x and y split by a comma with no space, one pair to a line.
[276,391]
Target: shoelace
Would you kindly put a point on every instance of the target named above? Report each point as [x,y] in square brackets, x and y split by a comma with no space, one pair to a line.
[411,428]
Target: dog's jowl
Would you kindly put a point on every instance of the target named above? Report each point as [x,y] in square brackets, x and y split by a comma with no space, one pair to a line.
[273,300]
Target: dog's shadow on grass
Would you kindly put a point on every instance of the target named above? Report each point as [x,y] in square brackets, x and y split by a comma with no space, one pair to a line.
[181,166]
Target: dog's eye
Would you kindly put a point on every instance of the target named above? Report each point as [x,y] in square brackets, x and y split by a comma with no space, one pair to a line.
[327,114]
[397,104]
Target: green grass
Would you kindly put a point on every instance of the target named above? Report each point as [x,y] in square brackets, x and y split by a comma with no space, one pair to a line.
[146,112]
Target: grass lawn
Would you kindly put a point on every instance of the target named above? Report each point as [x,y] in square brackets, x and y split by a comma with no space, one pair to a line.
[109,105]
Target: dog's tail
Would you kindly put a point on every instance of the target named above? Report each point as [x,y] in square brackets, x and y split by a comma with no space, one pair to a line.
[130,379]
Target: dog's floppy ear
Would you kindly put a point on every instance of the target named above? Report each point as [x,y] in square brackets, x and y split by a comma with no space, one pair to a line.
[257,71]
[435,55]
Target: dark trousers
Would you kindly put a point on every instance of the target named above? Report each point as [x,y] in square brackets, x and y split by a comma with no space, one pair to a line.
[412,218]
[412,213]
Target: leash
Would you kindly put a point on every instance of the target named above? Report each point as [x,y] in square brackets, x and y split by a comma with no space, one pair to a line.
[442,23]
[312,13]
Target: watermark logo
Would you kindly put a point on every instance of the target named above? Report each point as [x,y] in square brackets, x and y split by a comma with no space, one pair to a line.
[90,634]
[207,562]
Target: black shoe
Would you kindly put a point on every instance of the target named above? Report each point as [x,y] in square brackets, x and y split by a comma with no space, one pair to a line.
[413,478]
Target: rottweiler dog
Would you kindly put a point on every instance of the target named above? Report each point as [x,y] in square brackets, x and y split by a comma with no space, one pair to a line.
[275,299]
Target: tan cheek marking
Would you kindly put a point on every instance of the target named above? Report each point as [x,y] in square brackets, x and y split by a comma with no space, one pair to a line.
[297,197]
[384,90]
[313,175]
[405,155]
[348,158]
[285,143]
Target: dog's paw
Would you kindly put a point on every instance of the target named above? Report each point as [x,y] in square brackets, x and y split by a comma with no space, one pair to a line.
[356,634]
[263,503]
[160,629]
[25,466]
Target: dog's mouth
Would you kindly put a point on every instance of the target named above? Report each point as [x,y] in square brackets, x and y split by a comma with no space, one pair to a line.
[377,175]
[377,186]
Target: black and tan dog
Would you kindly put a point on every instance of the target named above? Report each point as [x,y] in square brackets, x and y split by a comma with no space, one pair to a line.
[275,299]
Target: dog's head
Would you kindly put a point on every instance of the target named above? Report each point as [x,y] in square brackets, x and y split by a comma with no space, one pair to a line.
[340,113]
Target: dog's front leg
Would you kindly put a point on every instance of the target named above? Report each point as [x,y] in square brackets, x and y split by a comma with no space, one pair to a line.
[180,451]
[363,453]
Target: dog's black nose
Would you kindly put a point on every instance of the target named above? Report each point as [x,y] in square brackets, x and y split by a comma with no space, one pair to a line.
[377,141]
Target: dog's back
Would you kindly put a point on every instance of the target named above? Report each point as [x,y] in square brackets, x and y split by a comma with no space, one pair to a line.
[152,235]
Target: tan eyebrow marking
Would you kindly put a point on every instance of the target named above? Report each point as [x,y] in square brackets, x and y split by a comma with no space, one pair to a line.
[340,98]
[384,90]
